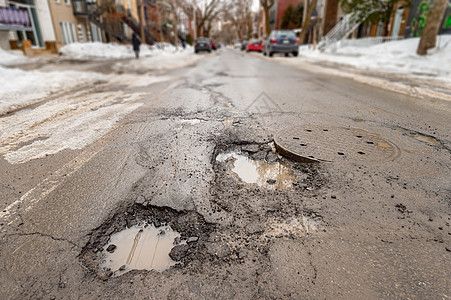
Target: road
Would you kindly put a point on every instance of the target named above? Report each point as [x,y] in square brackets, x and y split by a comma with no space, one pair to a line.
[164,148]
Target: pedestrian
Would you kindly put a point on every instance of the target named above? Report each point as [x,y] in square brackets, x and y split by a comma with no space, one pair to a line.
[136,43]
[183,44]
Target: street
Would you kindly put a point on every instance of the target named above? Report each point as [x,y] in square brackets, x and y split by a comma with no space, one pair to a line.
[160,151]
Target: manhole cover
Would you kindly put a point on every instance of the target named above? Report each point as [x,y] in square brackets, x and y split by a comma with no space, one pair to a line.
[315,144]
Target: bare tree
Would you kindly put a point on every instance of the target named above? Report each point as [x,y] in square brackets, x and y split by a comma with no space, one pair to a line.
[206,11]
[177,6]
[239,13]
[267,4]
[429,36]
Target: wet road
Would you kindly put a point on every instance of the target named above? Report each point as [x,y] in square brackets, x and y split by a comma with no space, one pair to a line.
[166,148]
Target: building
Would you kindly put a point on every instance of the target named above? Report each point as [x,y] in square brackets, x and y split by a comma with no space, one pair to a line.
[418,16]
[37,26]
[405,20]
[69,27]
[26,25]
[277,11]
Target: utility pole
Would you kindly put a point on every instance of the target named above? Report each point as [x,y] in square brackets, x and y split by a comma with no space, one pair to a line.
[141,22]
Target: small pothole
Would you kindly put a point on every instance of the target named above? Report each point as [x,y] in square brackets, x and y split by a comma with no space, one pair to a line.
[269,175]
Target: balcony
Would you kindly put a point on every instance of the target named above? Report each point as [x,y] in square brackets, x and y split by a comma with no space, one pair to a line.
[82,7]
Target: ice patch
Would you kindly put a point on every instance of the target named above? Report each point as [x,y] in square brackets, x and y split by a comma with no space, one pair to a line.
[66,123]
[20,88]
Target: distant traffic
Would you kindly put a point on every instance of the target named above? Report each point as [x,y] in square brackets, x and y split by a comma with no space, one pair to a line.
[279,41]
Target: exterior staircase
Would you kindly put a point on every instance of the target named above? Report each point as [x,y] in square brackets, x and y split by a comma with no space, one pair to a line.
[343,29]
[135,26]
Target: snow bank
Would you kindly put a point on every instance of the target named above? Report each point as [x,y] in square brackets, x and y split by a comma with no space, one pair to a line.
[160,61]
[392,57]
[98,50]
[12,57]
[20,87]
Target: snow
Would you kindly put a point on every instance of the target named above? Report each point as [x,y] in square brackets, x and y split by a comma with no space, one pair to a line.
[71,121]
[66,123]
[151,57]
[397,57]
[104,51]
[21,88]
[12,57]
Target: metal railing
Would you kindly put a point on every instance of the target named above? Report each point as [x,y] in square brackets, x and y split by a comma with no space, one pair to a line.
[362,42]
[343,28]
[80,7]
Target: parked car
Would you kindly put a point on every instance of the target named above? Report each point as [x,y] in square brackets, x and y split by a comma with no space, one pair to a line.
[281,41]
[255,45]
[202,44]
[213,44]
[244,45]
[237,44]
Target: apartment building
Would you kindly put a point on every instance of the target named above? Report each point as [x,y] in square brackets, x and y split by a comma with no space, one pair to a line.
[277,11]
[26,23]
[35,26]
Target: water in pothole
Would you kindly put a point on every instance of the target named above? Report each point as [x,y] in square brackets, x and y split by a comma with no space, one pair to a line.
[272,176]
[141,247]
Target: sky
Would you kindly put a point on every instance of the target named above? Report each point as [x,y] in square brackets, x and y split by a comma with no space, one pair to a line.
[255,5]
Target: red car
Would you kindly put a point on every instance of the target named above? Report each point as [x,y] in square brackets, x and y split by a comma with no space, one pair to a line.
[213,44]
[255,45]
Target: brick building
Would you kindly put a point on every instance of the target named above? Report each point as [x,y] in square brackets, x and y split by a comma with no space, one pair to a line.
[276,13]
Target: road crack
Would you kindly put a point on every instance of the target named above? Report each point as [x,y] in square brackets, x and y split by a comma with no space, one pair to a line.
[43,235]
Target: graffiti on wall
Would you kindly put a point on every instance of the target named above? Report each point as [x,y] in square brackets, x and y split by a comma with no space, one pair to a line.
[420,18]
[447,22]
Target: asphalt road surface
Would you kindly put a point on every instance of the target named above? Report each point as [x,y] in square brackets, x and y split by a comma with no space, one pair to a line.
[192,151]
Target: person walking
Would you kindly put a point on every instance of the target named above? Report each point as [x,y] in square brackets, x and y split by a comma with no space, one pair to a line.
[136,43]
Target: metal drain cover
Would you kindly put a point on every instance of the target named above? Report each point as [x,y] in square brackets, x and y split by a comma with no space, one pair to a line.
[316,144]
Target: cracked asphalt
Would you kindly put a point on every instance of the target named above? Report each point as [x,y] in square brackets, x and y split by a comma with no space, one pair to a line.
[380,228]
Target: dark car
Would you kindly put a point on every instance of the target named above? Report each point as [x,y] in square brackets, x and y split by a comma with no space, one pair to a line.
[281,41]
[202,44]
[244,45]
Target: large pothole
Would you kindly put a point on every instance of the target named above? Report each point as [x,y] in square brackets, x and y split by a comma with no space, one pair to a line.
[146,238]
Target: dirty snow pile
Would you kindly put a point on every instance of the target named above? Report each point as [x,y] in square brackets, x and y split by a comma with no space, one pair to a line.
[392,57]
[98,50]
[21,88]
[12,57]
[154,57]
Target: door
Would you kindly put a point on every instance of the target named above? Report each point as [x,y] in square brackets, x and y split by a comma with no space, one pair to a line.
[397,22]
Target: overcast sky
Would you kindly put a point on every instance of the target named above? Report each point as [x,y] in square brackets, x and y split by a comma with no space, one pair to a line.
[255,5]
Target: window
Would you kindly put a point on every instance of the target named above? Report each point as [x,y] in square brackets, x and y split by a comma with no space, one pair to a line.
[67,2]
[68,31]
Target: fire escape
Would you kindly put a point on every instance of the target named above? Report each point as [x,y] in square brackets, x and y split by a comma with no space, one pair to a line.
[112,23]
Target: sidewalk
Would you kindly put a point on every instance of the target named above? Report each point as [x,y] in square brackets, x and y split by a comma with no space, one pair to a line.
[393,65]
